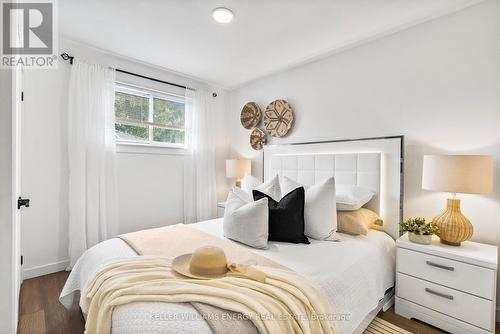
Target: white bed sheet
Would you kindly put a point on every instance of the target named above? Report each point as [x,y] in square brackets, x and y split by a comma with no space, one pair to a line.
[353,273]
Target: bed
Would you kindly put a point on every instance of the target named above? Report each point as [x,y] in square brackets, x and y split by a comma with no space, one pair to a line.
[356,274]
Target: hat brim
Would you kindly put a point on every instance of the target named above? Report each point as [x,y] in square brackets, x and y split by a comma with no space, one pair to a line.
[181,265]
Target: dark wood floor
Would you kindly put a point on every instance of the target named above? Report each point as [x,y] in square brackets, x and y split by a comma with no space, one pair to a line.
[41,312]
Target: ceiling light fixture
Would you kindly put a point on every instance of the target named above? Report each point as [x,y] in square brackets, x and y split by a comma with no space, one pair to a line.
[222,15]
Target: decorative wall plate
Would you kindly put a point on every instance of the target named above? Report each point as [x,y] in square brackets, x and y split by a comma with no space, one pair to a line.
[257,139]
[251,115]
[278,118]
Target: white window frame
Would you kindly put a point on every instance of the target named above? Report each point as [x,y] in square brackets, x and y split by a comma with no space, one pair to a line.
[151,94]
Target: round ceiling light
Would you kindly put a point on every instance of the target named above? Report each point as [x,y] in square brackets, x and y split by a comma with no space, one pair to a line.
[222,15]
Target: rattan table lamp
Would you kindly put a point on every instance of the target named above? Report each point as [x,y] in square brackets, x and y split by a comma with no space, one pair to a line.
[469,174]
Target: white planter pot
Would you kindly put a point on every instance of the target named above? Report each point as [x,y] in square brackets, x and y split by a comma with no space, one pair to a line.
[420,239]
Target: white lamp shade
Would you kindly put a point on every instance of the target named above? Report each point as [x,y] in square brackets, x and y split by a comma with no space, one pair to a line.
[237,168]
[469,174]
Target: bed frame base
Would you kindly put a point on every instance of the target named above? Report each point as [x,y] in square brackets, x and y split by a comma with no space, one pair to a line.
[383,305]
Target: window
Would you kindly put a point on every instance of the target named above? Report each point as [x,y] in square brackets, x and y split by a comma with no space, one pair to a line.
[148,117]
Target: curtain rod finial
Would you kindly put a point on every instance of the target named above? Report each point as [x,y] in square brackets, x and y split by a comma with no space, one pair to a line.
[66,56]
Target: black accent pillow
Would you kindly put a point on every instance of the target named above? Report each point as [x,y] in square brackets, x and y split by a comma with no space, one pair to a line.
[286,217]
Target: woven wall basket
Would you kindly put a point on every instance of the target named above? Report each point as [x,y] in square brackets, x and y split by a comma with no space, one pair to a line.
[251,115]
[257,139]
[278,118]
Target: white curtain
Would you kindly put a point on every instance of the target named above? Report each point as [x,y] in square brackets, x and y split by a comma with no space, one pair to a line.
[200,193]
[91,150]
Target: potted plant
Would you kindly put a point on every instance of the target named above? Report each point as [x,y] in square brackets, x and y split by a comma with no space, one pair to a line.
[419,230]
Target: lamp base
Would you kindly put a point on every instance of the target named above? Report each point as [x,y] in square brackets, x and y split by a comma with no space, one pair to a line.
[450,243]
[454,227]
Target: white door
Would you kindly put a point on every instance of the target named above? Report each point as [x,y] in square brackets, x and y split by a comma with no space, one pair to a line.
[11,82]
[10,278]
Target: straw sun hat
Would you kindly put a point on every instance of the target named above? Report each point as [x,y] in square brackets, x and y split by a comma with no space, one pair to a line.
[210,262]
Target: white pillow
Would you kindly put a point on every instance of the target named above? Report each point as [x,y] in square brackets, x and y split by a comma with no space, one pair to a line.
[243,195]
[350,197]
[249,183]
[320,212]
[271,187]
[246,222]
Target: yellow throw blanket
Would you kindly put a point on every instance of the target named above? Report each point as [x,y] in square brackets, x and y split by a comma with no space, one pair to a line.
[179,239]
[286,303]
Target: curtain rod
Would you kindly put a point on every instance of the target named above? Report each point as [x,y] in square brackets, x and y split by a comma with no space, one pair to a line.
[66,56]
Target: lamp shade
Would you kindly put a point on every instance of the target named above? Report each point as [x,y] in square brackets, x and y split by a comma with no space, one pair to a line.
[470,174]
[237,168]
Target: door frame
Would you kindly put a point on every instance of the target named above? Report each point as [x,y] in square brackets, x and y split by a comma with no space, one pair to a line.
[17,89]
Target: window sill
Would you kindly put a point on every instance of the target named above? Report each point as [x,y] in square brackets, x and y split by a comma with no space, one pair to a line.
[138,148]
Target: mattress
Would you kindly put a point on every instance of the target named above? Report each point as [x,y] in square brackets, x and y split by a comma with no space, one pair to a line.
[354,273]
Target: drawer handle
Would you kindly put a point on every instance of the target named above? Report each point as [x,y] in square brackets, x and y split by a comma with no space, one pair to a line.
[440,266]
[440,294]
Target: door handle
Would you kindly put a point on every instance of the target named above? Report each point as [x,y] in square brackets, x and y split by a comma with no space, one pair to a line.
[23,202]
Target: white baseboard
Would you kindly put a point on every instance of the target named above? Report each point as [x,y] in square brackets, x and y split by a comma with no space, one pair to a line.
[45,269]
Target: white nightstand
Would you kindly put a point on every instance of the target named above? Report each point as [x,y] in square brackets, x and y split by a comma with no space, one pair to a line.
[453,288]
[221,206]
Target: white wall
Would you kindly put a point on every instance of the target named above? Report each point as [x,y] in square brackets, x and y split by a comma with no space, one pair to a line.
[438,84]
[7,284]
[150,182]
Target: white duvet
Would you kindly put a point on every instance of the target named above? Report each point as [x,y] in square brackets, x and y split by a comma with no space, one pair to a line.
[354,274]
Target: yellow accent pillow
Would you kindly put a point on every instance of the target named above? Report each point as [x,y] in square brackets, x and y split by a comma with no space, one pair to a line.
[358,221]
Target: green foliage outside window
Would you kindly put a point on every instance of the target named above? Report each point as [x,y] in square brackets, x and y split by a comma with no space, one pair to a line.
[168,113]
[130,109]
[168,136]
[131,106]
[131,132]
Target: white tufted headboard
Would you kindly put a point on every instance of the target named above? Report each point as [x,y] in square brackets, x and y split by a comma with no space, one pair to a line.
[374,163]
[361,169]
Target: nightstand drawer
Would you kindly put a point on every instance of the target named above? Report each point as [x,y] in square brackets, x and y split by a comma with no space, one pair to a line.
[472,279]
[473,310]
